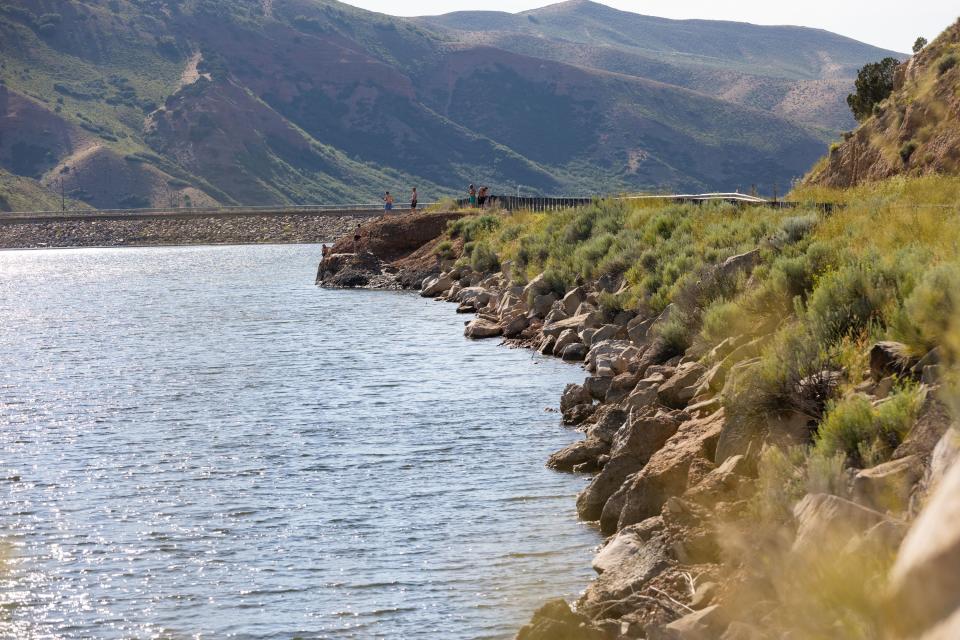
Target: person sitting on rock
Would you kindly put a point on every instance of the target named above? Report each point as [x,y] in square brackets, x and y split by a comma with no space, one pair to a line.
[324,250]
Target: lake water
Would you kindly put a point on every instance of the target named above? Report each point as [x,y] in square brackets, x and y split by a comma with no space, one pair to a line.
[199,443]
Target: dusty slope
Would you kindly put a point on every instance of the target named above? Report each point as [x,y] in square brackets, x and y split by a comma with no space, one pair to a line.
[914,132]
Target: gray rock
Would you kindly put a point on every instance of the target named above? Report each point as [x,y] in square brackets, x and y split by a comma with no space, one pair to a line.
[573,299]
[597,387]
[677,391]
[565,339]
[574,394]
[480,328]
[574,323]
[574,353]
[587,450]
[433,287]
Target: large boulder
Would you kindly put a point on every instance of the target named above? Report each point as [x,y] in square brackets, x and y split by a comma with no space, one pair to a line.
[565,339]
[542,305]
[574,394]
[925,579]
[432,287]
[575,323]
[627,566]
[679,389]
[638,330]
[573,299]
[608,421]
[480,328]
[632,447]
[683,461]
[574,352]
[579,452]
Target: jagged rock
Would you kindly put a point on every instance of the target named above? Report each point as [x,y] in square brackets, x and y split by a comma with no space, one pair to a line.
[621,386]
[587,450]
[605,332]
[925,579]
[512,327]
[933,420]
[573,299]
[433,287]
[608,422]
[575,352]
[887,486]
[574,323]
[826,522]
[480,328]
[683,460]
[546,347]
[556,621]
[579,414]
[586,336]
[635,442]
[632,563]
[677,391]
[597,387]
[642,396]
[537,286]
[729,482]
[542,304]
[565,339]
[890,358]
[574,394]
[638,328]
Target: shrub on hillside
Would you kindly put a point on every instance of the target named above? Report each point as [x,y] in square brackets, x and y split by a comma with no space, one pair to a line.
[483,258]
[471,228]
[919,44]
[906,150]
[931,309]
[864,433]
[946,63]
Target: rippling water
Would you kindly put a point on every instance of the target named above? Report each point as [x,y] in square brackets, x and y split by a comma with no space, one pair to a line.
[197,442]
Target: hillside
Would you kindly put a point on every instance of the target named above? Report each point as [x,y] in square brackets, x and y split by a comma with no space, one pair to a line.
[177,102]
[914,132]
[799,73]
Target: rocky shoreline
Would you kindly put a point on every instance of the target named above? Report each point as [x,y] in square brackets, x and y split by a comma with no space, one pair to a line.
[284,229]
[674,477]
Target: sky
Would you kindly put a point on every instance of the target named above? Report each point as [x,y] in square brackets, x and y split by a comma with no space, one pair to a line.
[891,24]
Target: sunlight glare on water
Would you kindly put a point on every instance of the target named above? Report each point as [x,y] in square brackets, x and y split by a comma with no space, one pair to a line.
[197,441]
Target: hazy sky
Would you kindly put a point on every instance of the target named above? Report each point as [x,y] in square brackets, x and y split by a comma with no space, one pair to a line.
[893,24]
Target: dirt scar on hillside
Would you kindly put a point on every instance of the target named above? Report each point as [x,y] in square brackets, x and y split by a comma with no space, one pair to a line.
[191,73]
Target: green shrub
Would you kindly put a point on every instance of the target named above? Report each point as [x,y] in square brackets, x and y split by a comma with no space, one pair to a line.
[445,250]
[865,434]
[931,308]
[919,44]
[907,150]
[946,63]
[849,300]
[471,228]
[483,258]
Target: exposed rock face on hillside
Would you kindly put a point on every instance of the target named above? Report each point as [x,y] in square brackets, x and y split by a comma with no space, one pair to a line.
[914,132]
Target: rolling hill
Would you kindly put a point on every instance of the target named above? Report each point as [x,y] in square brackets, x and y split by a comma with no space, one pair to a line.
[174,102]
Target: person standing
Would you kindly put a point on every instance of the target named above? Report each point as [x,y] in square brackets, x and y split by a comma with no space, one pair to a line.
[482,197]
[387,202]
[356,238]
[413,199]
[473,196]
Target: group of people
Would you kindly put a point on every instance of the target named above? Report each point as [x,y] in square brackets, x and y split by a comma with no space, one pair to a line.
[388,200]
[478,197]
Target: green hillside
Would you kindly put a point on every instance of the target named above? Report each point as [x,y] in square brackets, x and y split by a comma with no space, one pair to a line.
[176,102]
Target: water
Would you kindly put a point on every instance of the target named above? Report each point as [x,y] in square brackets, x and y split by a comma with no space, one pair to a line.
[197,442]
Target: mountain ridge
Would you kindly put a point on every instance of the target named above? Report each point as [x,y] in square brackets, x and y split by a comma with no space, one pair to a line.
[223,101]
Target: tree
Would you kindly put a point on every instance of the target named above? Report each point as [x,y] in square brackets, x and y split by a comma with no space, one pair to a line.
[874,85]
[919,45]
